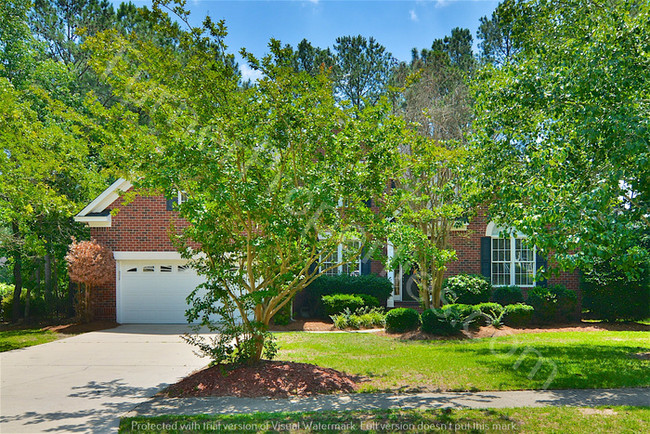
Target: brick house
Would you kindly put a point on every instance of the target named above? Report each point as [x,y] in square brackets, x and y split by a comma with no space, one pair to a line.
[151,279]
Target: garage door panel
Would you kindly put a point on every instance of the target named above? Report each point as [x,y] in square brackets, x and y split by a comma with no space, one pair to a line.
[156,296]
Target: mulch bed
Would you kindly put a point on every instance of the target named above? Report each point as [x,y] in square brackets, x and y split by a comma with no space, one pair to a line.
[76,328]
[274,379]
[305,325]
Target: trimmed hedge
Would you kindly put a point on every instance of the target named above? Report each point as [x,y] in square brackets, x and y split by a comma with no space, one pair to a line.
[555,304]
[518,315]
[310,298]
[337,303]
[402,320]
[505,295]
[468,288]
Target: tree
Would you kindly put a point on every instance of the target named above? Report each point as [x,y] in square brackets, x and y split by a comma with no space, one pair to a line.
[562,134]
[89,264]
[362,70]
[45,170]
[499,42]
[433,189]
[277,174]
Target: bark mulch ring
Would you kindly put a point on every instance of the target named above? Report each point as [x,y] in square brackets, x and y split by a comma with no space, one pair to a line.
[274,379]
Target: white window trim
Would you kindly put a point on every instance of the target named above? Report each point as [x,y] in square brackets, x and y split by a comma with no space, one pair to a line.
[489,231]
[339,269]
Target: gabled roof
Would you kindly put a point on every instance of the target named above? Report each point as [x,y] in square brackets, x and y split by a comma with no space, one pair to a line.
[96,213]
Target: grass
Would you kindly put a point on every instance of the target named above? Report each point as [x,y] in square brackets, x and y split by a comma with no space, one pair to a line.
[555,360]
[20,338]
[527,420]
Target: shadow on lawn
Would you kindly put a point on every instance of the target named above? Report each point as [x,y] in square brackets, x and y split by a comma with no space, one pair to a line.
[549,366]
[116,397]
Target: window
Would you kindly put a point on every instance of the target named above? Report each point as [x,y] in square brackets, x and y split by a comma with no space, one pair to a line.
[513,260]
[165,268]
[148,269]
[182,268]
[342,252]
[132,270]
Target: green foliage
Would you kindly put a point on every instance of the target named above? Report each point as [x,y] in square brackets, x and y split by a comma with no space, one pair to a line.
[402,320]
[362,69]
[38,308]
[370,284]
[337,303]
[609,295]
[444,322]
[518,315]
[505,295]
[562,131]
[499,43]
[489,308]
[364,317]
[555,304]
[468,288]
[283,317]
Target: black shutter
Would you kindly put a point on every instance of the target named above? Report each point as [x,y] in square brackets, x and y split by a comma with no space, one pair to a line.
[541,262]
[486,257]
[365,262]
[170,203]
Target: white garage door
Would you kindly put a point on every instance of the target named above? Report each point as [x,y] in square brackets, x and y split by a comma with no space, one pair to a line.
[154,291]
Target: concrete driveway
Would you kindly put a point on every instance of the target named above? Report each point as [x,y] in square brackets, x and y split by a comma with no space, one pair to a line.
[84,383]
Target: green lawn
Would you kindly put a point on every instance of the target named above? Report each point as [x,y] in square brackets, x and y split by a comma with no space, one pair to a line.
[556,360]
[523,420]
[13,339]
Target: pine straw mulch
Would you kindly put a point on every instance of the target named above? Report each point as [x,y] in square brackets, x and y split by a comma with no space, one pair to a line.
[274,379]
[77,328]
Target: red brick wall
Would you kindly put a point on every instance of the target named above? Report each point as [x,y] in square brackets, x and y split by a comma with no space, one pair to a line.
[141,225]
[468,251]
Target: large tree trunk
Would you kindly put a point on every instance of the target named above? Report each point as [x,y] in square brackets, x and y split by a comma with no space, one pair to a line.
[18,277]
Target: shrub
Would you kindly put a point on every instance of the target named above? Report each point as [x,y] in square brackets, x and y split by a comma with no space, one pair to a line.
[518,315]
[505,295]
[610,296]
[491,312]
[468,288]
[552,304]
[37,305]
[337,303]
[369,300]
[310,298]
[442,321]
[364,317]
[402,319]
[283,317]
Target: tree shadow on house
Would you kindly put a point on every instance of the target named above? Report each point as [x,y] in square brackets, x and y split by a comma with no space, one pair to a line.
[104,404]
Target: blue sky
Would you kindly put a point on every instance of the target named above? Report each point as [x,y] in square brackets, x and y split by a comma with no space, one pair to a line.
[398,25]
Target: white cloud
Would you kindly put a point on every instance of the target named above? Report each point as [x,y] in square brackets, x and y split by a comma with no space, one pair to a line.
[248,73]
[414,16]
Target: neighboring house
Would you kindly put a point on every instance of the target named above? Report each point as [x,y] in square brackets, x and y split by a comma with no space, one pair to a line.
[152,281]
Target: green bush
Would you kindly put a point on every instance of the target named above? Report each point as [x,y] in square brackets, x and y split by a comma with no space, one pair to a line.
[369,300]
[337,303]
[310,298]
[518,315]
[283,317]
[610,296]
[467,289]
[554,304]
[444,322]
[505,295]
[490,309]
[402,319]
[37,306]
[364,317]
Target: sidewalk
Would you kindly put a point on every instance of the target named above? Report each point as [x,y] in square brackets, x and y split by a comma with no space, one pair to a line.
[375,401]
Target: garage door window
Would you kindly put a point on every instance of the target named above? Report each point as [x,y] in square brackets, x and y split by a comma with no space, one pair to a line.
[165,268]
[148,269]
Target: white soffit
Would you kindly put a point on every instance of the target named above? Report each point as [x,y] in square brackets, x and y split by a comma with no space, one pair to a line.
[90,215]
